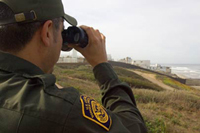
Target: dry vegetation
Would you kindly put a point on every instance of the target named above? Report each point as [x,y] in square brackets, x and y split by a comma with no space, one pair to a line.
[168,111]
[164,111]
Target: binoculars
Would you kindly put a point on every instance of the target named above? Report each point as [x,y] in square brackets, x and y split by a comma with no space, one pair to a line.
[74,35]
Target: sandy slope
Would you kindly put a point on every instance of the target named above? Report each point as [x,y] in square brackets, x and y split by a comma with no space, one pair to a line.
[152,78]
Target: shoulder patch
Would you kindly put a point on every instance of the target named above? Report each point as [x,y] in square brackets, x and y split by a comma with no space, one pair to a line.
[95,112]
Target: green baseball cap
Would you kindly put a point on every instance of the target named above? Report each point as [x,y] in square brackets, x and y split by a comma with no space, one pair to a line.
[36,10]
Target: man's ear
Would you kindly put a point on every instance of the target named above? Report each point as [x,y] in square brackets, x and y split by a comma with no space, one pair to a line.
[47,32]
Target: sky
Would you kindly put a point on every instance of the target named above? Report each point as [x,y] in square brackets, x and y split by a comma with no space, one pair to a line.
[162,31]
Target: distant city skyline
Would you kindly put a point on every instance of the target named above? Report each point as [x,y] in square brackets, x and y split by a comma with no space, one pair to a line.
[157,30]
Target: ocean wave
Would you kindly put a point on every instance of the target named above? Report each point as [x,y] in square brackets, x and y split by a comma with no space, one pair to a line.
[186,70]
[180,68]
[188,73]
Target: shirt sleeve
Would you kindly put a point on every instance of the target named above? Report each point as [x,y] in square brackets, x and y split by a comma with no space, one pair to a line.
[118,98]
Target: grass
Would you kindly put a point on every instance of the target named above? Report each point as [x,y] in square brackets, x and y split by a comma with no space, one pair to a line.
[158,125]
[164,111]
[173,83]
[81,72]
[85,73]
[169,111]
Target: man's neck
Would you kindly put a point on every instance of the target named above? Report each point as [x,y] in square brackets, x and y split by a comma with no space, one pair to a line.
[32,55]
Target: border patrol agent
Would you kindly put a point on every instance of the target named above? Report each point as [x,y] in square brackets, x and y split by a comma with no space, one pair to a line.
[30,101]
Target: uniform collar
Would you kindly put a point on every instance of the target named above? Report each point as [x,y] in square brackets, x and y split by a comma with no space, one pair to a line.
[11,63]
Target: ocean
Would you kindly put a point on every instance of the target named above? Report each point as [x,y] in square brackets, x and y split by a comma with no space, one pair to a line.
[191,71]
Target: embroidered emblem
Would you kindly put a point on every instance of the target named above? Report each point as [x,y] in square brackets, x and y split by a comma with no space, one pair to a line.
[95,112]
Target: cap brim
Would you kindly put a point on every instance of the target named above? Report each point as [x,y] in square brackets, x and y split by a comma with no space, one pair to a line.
[70,20]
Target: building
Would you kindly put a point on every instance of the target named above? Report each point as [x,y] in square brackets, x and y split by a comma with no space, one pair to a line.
[159,68]
[127,60]
[74,53]
[109,57]
[72,59]
[75,59]
[141,63]
[81,60]
[67,59]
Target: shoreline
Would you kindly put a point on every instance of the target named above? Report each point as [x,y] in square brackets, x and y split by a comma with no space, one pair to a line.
[181,76]
[185,77]
[186,71]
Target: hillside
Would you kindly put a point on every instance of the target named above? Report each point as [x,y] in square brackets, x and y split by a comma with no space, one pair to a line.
[165,111]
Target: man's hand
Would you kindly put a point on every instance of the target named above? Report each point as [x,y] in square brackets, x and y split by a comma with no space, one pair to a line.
[95,51]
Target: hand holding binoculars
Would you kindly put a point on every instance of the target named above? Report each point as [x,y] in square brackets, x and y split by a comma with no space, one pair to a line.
[74,35]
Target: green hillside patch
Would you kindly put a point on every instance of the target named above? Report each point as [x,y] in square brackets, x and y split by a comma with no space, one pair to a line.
[81,72]
[173,83]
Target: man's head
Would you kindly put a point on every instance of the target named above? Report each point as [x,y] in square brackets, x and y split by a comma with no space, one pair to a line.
[36,10]
[24,22]
[20,19]
[15,36]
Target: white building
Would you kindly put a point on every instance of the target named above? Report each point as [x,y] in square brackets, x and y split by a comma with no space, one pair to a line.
[127,60]
[122,60]
[141,63]
[109,57]
[69,59]
[74,53]
[158,67]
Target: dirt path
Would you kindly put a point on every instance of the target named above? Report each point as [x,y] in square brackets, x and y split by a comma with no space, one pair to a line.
[152,78]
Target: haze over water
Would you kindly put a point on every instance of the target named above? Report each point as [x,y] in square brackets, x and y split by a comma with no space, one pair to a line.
[187,70]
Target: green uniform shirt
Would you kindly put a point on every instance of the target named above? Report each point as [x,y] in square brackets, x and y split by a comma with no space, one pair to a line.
[30,102]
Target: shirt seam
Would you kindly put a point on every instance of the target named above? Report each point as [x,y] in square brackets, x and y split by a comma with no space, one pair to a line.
[18,126]
[68,115]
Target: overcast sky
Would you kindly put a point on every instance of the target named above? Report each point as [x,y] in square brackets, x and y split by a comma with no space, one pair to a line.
[163,31]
